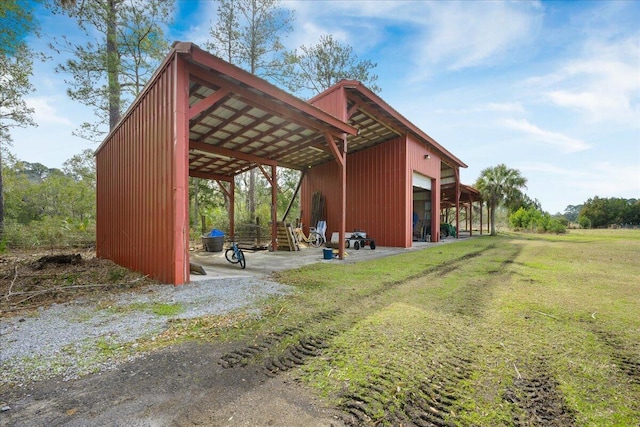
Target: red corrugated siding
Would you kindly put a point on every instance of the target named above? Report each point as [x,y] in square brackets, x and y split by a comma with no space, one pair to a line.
[376,193]
[427,167]
[379,190]
[333,103]
[140,190]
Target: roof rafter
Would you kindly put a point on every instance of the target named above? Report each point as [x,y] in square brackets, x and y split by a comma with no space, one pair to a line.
[208,148]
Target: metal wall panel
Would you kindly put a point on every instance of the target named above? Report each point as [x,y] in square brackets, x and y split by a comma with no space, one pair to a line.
[379,190]
[376,197]
[424,161]
[333,103]
[140,189]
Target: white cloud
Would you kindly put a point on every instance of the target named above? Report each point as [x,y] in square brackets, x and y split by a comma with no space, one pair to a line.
[603,179]
[565,143]
[360,24]
[502,107]
[458,38]
[548,168]
[45,112]
[603,83]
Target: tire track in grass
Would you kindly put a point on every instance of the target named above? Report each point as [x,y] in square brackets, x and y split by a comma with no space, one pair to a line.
[401,395]
[306,346]
[393,395]
[439,270]
[298,352]
[625,360]
[538,400]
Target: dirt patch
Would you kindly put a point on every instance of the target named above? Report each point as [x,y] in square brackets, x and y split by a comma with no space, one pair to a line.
[33,279]
[538,400]
[184,385]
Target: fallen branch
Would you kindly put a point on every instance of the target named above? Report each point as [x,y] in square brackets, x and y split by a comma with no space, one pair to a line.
[545,314]
[517,372]
[57,289]
[15,276]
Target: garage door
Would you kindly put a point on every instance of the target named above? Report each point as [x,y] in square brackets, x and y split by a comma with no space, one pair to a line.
[421,181]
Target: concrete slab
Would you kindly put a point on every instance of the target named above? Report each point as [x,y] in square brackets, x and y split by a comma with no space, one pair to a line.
[264,263]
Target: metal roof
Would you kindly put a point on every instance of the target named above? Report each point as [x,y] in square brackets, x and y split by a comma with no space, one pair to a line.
[377,121]
[238,121]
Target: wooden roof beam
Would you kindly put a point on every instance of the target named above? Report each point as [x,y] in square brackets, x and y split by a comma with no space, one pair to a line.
[375,116]
[291,113]
[206,59]
[338,154]
[208,103]
[208,148]
[212,176]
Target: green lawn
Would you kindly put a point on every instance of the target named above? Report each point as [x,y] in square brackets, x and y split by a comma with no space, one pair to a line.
[519,329]
[499,325]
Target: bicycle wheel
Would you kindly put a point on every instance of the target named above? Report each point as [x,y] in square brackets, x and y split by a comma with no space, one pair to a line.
[230,255]
[315,239]
[241,259]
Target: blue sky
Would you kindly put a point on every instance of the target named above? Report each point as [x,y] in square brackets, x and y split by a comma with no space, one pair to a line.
[549,88]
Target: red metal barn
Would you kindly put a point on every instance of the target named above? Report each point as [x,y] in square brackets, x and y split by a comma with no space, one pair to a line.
[202,117]
[393,168]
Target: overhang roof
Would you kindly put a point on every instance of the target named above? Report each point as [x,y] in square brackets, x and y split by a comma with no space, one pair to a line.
[238,121]
[468,194]
[377,121]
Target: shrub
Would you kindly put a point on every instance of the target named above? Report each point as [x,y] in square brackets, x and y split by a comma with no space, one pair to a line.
[584,222]
[50,232]
[536,221]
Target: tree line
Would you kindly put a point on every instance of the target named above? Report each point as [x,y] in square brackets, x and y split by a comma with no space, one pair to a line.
[501,187]
[599,212]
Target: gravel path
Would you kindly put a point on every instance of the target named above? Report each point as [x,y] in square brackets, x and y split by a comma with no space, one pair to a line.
[77,338]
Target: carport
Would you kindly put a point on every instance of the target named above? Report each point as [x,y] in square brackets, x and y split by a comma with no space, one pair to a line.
[199,116]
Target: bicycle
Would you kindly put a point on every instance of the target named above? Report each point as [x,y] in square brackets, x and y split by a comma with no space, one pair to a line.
[315,239]
[235,255]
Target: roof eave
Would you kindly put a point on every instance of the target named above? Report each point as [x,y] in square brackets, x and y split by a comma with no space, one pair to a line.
[372,96]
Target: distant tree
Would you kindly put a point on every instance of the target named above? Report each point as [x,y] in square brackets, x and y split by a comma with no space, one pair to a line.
[633,213]
[16,69]
[535,220]
[126,44]
[248,34]
[603,212]
[36,172]
[316,68]
[518,200]
[584,222]
[497,185]
[35,192]
[225,35]
[571,212]
[82,167]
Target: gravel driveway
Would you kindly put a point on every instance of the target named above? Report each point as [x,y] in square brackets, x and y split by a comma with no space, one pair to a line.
[70,339]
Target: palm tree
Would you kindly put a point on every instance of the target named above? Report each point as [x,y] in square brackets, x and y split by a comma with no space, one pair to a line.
[497,185]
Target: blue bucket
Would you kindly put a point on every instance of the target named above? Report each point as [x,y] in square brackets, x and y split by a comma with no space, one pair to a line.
[328,253]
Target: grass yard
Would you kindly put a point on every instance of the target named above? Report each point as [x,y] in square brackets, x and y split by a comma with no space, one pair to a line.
[519,329]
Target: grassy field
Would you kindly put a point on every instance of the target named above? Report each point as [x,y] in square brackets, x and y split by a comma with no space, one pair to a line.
[517,329]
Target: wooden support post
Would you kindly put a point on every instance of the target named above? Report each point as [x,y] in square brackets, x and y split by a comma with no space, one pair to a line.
[457,170]
[232,208]
[470,215]
[295,194]
[481,203]
[274,209]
